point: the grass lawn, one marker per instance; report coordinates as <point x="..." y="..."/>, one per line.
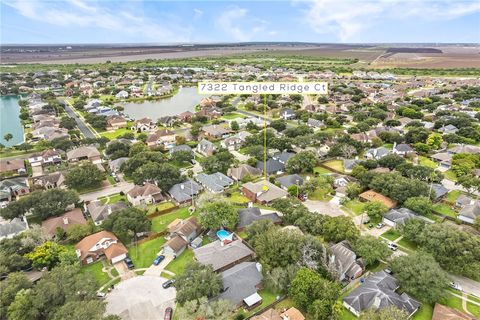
<point x="95" y="269"/>
<point x="116" y="133"/>
<point x="146" y="253"/>
<point x="320" y="194"/>
<point x="160" y="223"/>
<point x="391" y="234"/>
<point x="356" y="206"/>
<point x="424" y="313"/>
<point x="445" y="210"/>
<point x="474" y="309"/>
<point x="178" y="265"/>
<point x="426" y="162"/>
<point x="233" y="115"/>
<point x="114" y="198"/>
<point x="407" y="244"/>
<point x="450" y="175"/>
<point x="237" y="197"/>
<point x="453" y="195"/>
<point x="243" y="234"/>
<point x="321" y="170"/>
<point x="160" y="206"/>
<point x="110" y="179"/>
<point x="378" y="266"/>
<point x="268" y="297"/>
<point x="335" y="164"/>
<point x="452" y="302"/>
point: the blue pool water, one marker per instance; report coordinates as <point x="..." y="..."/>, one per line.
<point x="224" y="235"/>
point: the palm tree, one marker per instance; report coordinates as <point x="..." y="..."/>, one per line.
<point x="8" y="137"/>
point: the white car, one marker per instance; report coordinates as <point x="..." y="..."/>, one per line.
<point x="455" y="286"/>
<point x="380" y="225"/>
<point x="392" y="246"/>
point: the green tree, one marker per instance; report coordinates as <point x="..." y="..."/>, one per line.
<point x="258" y="228"/>
<point x="7" y="137"/>
<point x="137" y="148"/>
<point x="375" y="210"/>
<point x="353" y="190"/>
<point x="234" y="125"/>
<point x="80" y="310"/>
<point x="421" y="205"/>
<point x="313" y="293"/>
<point x="22" y="307"/>
<point x="435" y="140"/>
<point x="202" y="308"/>
<point x="218" y="214"/>
<point x="9" y="288"/>
<point x="197" y="281"/>
<point x="340" y="228"/>
<point x="117" y="149"/>
<point x="163" y="174"/>
<point x="279" y="279"/>
<point x="421" y="276"/>
<point x="68" y="123"/>
<point x="412" y="229"/>
<point x="387" y="313"/>
<point x="126" y="223"/>
<point x="303" y="161"/>
<point x="47" y="255"/>
<point x="220" y="162"/>
<point x="84" y="176"/>
<point x="371" y="249"/>
<point x="77" y="232"/>
<point x="182" y="156"/>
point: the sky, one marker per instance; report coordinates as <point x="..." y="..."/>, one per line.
<point x="165" y="22"/>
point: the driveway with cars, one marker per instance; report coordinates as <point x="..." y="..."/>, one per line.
<point x="140" y="298"/>
<point x="154" y="270"/>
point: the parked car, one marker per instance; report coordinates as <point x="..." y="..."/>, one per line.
<point x="302" y="197"/>
<point x="380" y="225"/>
<point x="101" y="295"/>
<point x="168" y="313"/>
<point x="370" y="226"/>
<point x="129" y="263"/>
<point x="455" y="286"/>
<point x="168" y="284"/>
<point x="392" y="246"/>
<point x="387" y="270"/>
<point x="158" y="259"/>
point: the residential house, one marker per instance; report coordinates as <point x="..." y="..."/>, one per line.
<point x="470" y="212"/>
<point x="180" y="148"/>
<point x="12" y="167"/>
<point x="167" y="121"/>
<point x="402" y="149"/>
<point x="210" y="112"/>
<point x="235" y="142"/>
<point x="398" y="217"/>
<point x="144" y="125"/>
<point x="444" y="159"/>
<point x="463" y="200"/>
<point x="371" y="195"/>
<point x="376" y="153"/>
<point x="464" y="148"/>
<point x="187" y="229"/>
<point x="186" y="116"/>
<point x="241" y="282"/>
<point x="263" y="192"/>
<point x="174" y="246"/>
<point x="103" y="243"/>
<point x="345" y="262"/>
<point x="283" y="156"/>
<point x="14" y="188"/>
<point x="163" y="136"/>
<point x="222" y="256"/>
<point x="9" y="229"/>
<point x="215" y="131"/>
<point x="441" y="312"/>
<point x="242" y="171"/>
<point x="290" y="180"/>
<point x="216" y="182"/>
<point x="439" y="191"/>
<point x="63" y="222"/>
<point x="116" y="164"/>
<point x="349" y="164"/>
<point x="45" y="158"/>
<point x="249" y="215"/>
<point x="315" y="124"/>
<point x="449" y="129"/>
<point x="49" y="181"/>
<point x="275" y="314"/>
<point x="272" y="166"/>
<point x="378" y="292"/>
<point x="99" y="211"/>
<point x="115" y="122"/>
<point x="206" y="148"/>
<point x="184" y="192"/>
<point x="89" y="153"/>
<point x="49" y="133"/>
<point x="146" y="194"/>
<point x="122" y="95"/>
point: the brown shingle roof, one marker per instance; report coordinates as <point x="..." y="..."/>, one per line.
<point x="65" y="221"/>
<point x="89" y="241"/>
<point x="176" y="243"/>
<point x="145" y="190"/>
<point x="442" y="312"/>
<point x="371" y="195"/>
<point x="11" y="165"/>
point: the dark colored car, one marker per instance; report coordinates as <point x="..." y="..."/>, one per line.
<point x="158" y="259"/>
<point x="129" y="263"/>
<point x="168" y="314"/>
<point x="168" y="284"/>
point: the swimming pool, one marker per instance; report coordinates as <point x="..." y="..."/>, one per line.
<point x="224" y="235"/>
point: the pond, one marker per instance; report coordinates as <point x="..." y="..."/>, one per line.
<point x="9" y="121"/>
<point x="185" y="100"/>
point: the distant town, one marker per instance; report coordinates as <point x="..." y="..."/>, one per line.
<point x="125" y="194"/>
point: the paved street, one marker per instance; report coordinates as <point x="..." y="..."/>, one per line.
<point x="81" y="125"/>
<point x="468" y="285"/>
<point x="121" y="186"/>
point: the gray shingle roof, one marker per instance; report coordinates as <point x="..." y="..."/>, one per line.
<point x="215" y="182"/>
<point x="400" y="216"/>
<point x="290" y="180"/>
<point x="240" y="282"/>
<point x="378" y="292"/>
<point x="12" y="228"/>
<point x="249" y="215"/>
<point x="273" y="166"/>
<point x="219" y="256"/>
<point x="183" y="191"/>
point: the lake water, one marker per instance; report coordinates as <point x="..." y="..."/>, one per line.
<point x="185" y="100"/>
<point x="9" y="120"/>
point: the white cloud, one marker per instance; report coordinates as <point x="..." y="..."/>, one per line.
<point x="347" y="19"/>
<point x="78" y="13"/>
<point x="197" y="14"/>
<point x="236" y="22"/>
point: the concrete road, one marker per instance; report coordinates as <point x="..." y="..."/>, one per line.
<point x="121" y="186"/>
<point x="140" y="298"/>
<point x="81" y="125"/>
<point x="468" y="285"/>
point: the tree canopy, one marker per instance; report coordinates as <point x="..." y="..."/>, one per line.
<point x="126" y="223"/>
<point x="218" y="214"/>
<point x="84" y="176"/>
<point x="196" y="282"/>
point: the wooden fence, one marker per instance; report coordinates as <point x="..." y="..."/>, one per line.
<point x="161" y="212"/>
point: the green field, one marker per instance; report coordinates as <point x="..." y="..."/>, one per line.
<point x="160" y="206"/>
<point x="160" y="223"/>
<point x="391" y="235"/>
<point x="453" y="195"/>
<point x="95" y="269"/>
<point x="407" y="244"/>
<point x="233" y="115"/>
<point x="321" y="170"/>
<point x="426" y="162"/>
<point x="424" y="313"/>
<point x="178" y="265"/>
<point x="116" y="133"/>
<point x="450" y="175"/>
<point x="114" y="198"/>
<point x="237" y="197"/>
<point x="146" y="252"/>
<point x="445" y="210"/>
<point x="474" y="309"/>
<point x="335" y="164"/>
<point x="355" y="205"/>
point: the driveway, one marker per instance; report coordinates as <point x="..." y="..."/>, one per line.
<point x="140" y="298"/>
<point x="123" y="270"/>
<point x="325" y="208"/>
<point x="37" y="171"/>
<point x="157" y="270"/>
<point x="121" y="186"/>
